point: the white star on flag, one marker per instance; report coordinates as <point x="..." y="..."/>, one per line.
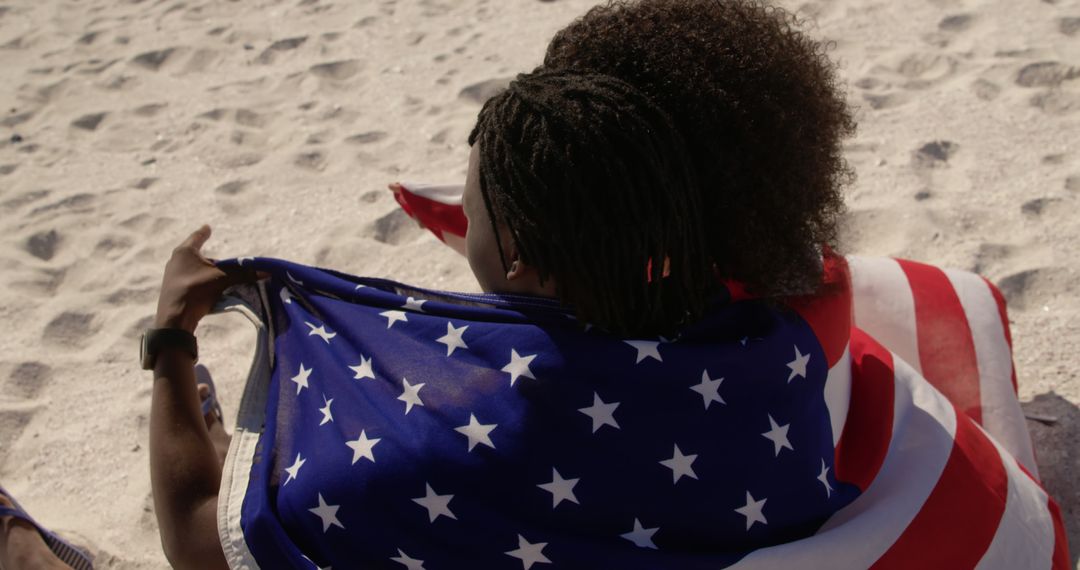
<point x="409" y="563"/>
<point x="393" y="317"/>
<point x="778" y="435"/>
<point x="641" y="536"/>
<point x="294" y="469"/>
<point x="286" y="296"/>
<point x="452" y="339"/>
<point x="362" y="447"/>
<point x="410" y="395"/>
<point x="414" y="304"/>
<point x="477" y="432"/>
<point x="560" y="489"/>
<point x="363" y="370"/>
<point x="327" y="417"/>
<point x="320" y="331"/>
<point x="645" y="349"/>
<point x="709" y="389"/>
<point x="824" y="478"/>
<point x="435" y="504"/>
<point x="519" y="366"/>
<point x="680" y="465"/>
<point x="752" y="511"/>
<point x="798" y="366"/>
<point x="301" y="378"/>
<point x="529" y="554"/>
<point x="601" y="413"/>
<point x="328" y="514"/>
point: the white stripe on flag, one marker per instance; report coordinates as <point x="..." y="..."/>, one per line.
<point x="924" y="424"/>
<point x="1025" y="535"/>
<point x="1001" y="413"/>
<point x="884" y="305"/>
<point x="838" y="393"/>
<point x="443" y="193"/>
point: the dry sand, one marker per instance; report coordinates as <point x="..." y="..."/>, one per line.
<point x="126" y="124"/>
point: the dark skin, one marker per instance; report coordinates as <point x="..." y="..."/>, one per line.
<point x="187" y="450"/>
<point x="185" y="447"/>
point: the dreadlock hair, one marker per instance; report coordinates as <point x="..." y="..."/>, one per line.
<point x="588" y="176"/>
<point x="761" y="110"/>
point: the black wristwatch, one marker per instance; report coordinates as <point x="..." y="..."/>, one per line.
<point x="154" y="340"/>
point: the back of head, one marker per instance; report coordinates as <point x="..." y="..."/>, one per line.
<point x="759" y="106"/>
<point x="590" y="179"/>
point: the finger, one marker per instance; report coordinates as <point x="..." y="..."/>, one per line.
<point x="197" y="238"/>
<point x="395" y="187"/>
<point x="236" y="275"/>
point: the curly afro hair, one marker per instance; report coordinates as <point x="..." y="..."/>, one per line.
<point x="762" y="112"/>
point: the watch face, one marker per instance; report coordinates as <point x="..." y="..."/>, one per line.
<point x="143" y="353"/>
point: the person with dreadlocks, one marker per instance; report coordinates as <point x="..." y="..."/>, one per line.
<point x="578" y="190"/>
<point x="763" y="114"/>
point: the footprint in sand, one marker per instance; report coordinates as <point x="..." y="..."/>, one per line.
<point x="369" y="137"/>
<point x="986" y="90"/>
<point x="26" y="198"/>
<point x="149" y="110"/>
<point x="271" y="53"/>
<point x="1056" y="102"/>
<point x="249" y="118"/>
<point x="113" y="246"/>
<point x="480" y="92"/>
<point x="16" y="119"/>
<point x="1045" y="74"/>
<point x="934" y="154"/>
<point x="232" y="188"/>
<point x="71" y="329"/>
<point x="43" y="244"/>
<point x="79" y="203"/>
<point x="956" y="23"/>
<point x="1038" y="206"/>
<point x="89" y="122"/>
<point x="27" y="380"/>
<point x="1034" y="288"/>
<point x="1069" y="26"/>
<point x="13" y="421"/>
<point x="336" y="70"/>
<point x="315" y="161"/>
<point x="154" y="60"/>
<point x="144" y="183"/>
<point x="394" y="228"/>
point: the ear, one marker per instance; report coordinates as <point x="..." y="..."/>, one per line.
<point x="517" y="268"/>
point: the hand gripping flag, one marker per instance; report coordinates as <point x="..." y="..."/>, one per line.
<point x="385" y="426"/>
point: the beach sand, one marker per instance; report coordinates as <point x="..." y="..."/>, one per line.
<point x="124" y="125"/>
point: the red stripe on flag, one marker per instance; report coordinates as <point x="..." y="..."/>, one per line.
<point x="946" y="350"/>
<point x="436" y="216"/>
<point x="830" y="312"/>
<point x="1060" y="561"/>
<point x="959" y="519"/>
<point x="868" y="429"/>
<point x="1004" y="314"/>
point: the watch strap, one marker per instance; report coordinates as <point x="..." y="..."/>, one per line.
<point x="156" y="340"/>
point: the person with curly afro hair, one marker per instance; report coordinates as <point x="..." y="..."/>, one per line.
<point x="762" y="111"/>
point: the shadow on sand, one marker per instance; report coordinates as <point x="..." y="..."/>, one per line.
<point x="1058" y="457"/>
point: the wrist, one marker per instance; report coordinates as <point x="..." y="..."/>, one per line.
<point x="175" y="321"/>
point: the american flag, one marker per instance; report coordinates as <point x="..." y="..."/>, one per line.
<point x="404" y="428"/>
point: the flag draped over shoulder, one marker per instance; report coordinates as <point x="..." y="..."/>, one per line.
<point x="386" y="426"/>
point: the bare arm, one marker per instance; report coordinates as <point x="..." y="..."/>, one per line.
<point x="185" y="471"/>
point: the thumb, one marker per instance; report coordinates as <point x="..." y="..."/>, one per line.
<point x="197" y="238"/>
